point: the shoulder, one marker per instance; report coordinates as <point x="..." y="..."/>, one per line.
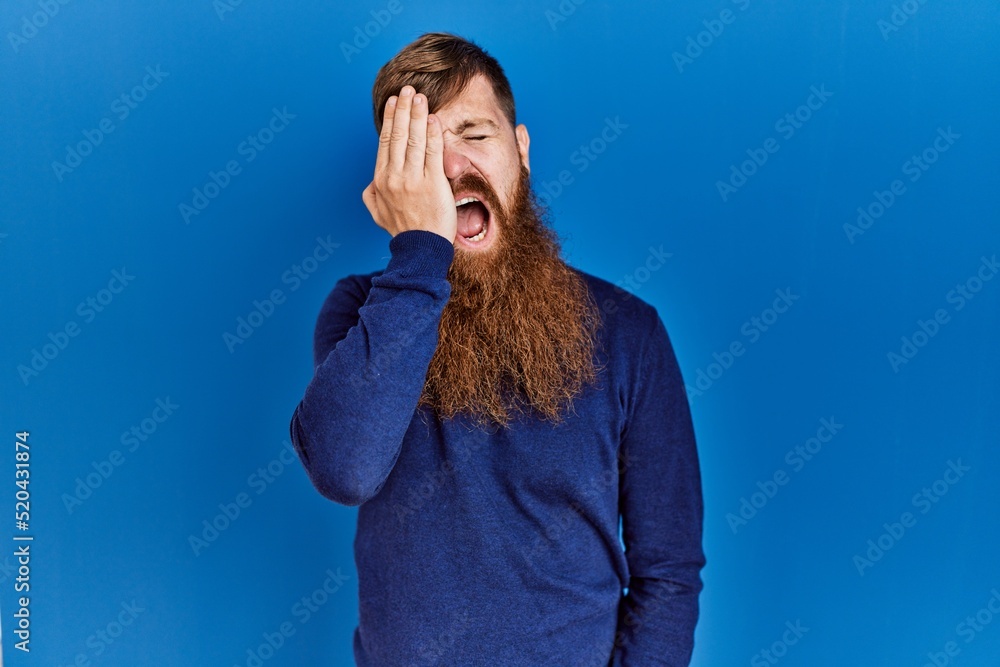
<point x="340" y="312"/>
<point x="350" y="292"/>
<point x="625" y="316"/>
<point x="636" y="349"/>
<point x="641" y="359"/>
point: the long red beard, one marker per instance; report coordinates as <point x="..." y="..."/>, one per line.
<point x="519" y="332"/>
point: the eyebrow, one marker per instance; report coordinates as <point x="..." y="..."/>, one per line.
<point x="475" y="122"/>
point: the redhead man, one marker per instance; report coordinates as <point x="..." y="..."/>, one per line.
<point x="504" y="422"/>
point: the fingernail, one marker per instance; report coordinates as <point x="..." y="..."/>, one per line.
<point x="392" y="101"/>
<point x="417" y="99"/>
<point x="406" y="91"/>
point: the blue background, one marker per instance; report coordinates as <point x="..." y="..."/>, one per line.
<point x="688" y="122"/>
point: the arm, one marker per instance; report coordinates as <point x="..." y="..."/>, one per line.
<point x="661" y="506"/>
<point x="349" y="427"/>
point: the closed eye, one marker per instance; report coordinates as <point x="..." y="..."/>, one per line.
<point x="476" y="138"/>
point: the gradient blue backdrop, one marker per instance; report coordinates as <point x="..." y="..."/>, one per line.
<point x="686" y="121"/>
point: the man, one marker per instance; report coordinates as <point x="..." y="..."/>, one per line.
<point x="494" y="412"/>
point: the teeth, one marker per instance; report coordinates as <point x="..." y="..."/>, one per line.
<point x="466" y="200"/>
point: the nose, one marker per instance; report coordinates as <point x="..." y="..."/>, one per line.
<point x="456" y="163"/>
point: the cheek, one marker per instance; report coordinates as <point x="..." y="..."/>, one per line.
<point x="511" y="179"/>
<point x="500" y="170"/>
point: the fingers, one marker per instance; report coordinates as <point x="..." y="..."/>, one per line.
<point x="382" y="159"/>
<point x="409" y="167"/>
<point x="434" y="154"/>
<point x="400" y="130"/>
<point x="417" y="141"/>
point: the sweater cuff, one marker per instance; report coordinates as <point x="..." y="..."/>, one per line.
<point x="418" y="252"/>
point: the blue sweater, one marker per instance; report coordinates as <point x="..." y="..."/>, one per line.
<point x="501" y="547"/>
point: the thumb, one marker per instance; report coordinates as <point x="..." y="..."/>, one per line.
<point x="368" y="197"/>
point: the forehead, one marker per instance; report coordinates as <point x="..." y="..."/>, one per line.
<point x="476" y="102"/>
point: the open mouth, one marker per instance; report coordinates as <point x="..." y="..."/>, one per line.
<point x="473" y="220"/>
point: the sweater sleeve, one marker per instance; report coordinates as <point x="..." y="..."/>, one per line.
<point x="371" y="363"/>
<point x="661" y="507"/>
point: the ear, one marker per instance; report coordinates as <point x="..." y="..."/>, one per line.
<point x="521" y="132"/>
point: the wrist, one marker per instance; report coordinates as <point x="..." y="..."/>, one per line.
<point x="420" y="252"/>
